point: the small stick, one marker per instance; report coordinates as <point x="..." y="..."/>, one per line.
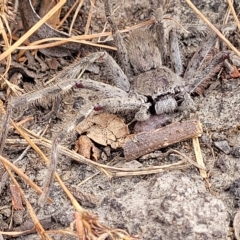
<point x="146" y="142"/>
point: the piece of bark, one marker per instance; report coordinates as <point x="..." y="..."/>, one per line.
<point x="46" y="6"/>
<point x="146" y="142"/>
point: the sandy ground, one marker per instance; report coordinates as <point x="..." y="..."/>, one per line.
<point x="169" y="205"/>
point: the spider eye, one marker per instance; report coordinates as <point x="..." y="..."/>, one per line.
<point x="79" y="85"/>
<point x="98" y="107"/>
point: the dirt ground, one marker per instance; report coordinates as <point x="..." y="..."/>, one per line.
<point x="173" y="205"/>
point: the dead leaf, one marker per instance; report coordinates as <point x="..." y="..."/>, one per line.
<point x="86" y="148"/>
<point x="105" y="129"/>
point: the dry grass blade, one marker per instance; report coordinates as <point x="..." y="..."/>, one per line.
<point x="6" y="42"/>
<point x="75" y="16"/>
<point x="67" y="14"/>
<point x="60" y="41"/>
<point x="80" y="39"/>
<point x="220" y="35"/>
<point x="32" y="30"/>
<point x="234" y="13"/>
<point x="199" y="157"/>
<point x="4" y="21"/>
<point x="90" y="16"/>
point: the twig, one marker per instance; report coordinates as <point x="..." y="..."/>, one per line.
<point x="67" y="14"/>
<point x="110" y="169"/>
<point x="146" y="142"/>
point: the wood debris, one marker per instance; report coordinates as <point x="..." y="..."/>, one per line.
<point x="146" y="142"/>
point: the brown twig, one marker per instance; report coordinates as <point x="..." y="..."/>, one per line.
<point x="146" y="142"/>
<point x="111" y="170"/>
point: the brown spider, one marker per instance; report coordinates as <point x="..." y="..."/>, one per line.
<point x="141" y="63"/>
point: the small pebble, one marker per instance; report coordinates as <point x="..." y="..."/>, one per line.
<point x="234" y="189"/>
<point x="223" y="146"/>
<point x="236" y="152"/>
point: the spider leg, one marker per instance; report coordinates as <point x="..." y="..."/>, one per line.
<point x="112" y="70"/>
<point x="136" y="105"/>
<point x="161" y="40"/>
<point x="47" y="185"/>
<point x="199" y="57"/>
<point x="56" y="90"/>
<point x="164" y="34"/>
<point x="122" y="50"/>
<point x="175" y="53"/>
<point x="201" y="80"/>
<point x="109" y="104"/>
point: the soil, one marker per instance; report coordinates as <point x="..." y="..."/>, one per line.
<point x="173" y="205"/>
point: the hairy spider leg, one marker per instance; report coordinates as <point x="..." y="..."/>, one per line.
<point x="122" y="50"/>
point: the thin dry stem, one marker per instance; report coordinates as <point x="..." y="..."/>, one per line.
<point x="67" y="14"/>
<point x="7" y="44"/>
<point x="82" y="37"/>
<point x="75" y="16"/>
<point x="110" y="169"/>
<point x="234" y="13"/>
<point x="198" y="154"/>
<point x="227" y="14"/>
<point x="89" y="17"/>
